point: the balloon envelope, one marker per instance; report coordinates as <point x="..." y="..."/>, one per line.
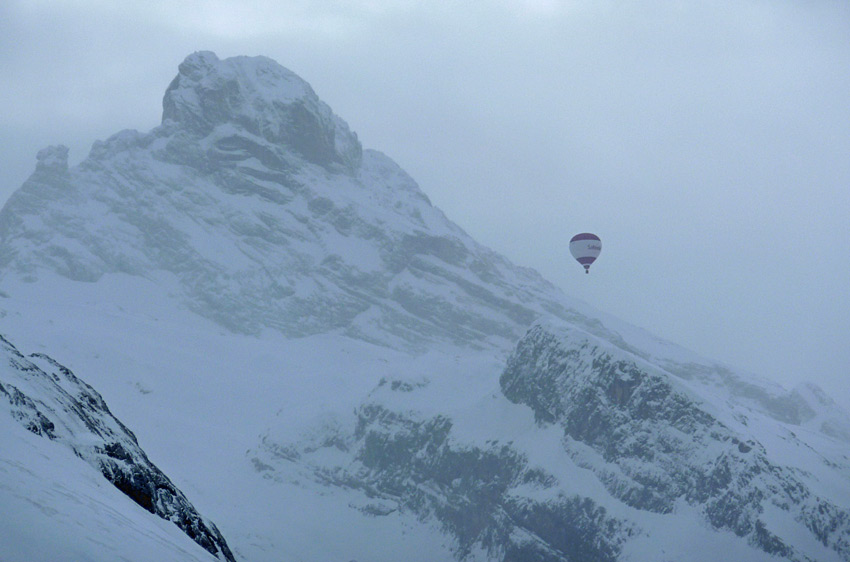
<point x="585" y="248"/>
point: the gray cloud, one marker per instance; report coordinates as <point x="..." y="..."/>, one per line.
<point x="707" y="143"/>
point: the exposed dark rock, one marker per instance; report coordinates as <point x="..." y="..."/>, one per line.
<point x="658" y="443"/>
<point x="413" y="465"/>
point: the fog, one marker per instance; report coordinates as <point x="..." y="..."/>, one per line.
<point x="707" y="144"/>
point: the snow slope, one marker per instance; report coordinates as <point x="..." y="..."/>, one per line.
<point x="318" y="357"/>
<point x="50" y="403"/>
<point x="53" y="506"/>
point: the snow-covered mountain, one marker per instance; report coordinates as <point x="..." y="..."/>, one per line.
<point x="263" y="206"/>
<point x="332" y="369"/>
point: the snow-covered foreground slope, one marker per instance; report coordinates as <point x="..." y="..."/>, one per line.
<point x="53" y="506"/>
<point x="52" y="405"/>
<point x="332" y="370"/>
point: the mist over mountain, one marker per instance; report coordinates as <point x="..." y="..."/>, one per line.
<point x="332" y="369"/>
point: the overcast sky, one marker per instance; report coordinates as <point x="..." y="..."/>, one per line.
<point x="706" y="143"/>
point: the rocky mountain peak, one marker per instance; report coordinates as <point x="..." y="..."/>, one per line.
<point x="262" y="98"/>
<point x="52" y="160"/>
<point x="261" y="204"/>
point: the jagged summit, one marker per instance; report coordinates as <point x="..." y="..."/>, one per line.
<point x="52" y="160"/>
<point x="263" y="98"/>
<point x="264" y="207"/>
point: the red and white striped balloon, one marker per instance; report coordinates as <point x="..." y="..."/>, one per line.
<point x="585" y="248"/>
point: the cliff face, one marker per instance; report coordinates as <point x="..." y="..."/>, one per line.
<point x="492" y="501"/>
<point x="655" y="441"/>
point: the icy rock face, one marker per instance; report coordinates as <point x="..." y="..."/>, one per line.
<point x="479" y="495"/>
<point x="653" y="442"/>
<point x="263" y="206"/>
<point x="617" y="453"/>
<point x="486" y="498"/>
<point x="49" y="400"/>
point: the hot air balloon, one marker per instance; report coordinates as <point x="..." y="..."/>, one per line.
<point x="585" y="248"/>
